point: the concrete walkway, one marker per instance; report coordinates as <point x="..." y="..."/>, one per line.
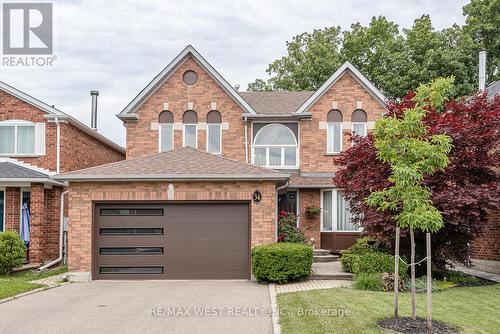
<point x="478" y="273"/>
<point x="329" y="270"/>
<point x="142" y="307"/>
<point x="311" y="285"/>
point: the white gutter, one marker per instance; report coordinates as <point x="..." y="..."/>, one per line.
<point x="246" y="140"/>
<point x="170" y="177"/>
<point x="58" y="146"/>
<point x="277" y="213"/>
<point x="61" y="233"/>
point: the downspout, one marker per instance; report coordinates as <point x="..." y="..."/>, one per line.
<point x="277" y="213"/>
<point x="58" y="146"/>
<point x="61" y="233"/>
<point x="246" y="140"/>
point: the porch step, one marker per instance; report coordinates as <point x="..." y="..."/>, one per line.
<point x="325" y="258"/>
<point x="321" y="252"/>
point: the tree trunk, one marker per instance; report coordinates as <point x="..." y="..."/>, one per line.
<point x="396" y="274"/>
<point x="413" y="287"/>
<point x="429" y="282"/>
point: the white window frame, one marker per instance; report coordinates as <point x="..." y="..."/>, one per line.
<point x="16" y="124"/>
<point x="159" y="136"/>
<point x="220" y="137"/>
<point x="328" y="135"/>
<point x="334" y="213"/>
<point x="364" y="128"/>
<point x="184" y="134"/>
<point x="282" y="162"/>
<point x="3" y="189"/>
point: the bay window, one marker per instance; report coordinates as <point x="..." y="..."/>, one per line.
<point x="334" y="131"/>
<point x="335" y="213"/>
<point x="275" y="146"/>
<point x="214" y="132"/>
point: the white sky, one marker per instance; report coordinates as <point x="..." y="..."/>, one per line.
<point x="118" y="46"/>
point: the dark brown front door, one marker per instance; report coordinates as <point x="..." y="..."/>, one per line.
<point x="171" y="241"/>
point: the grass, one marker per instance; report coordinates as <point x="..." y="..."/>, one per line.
<point x="470" y="309"/>
<point x="11" y="285"/>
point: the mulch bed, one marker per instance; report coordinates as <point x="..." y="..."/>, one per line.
<point x="418" y="326"/>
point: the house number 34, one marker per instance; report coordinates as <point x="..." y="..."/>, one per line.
<point x="257" y="196"/>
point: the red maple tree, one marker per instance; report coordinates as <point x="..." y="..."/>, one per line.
<point x="464" y="192"/>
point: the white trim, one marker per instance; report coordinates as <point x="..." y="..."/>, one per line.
<point x="220" y="137"/>
<point x="282" y="146"/>
<point x="159" y="136"/>
<point x="3" y="189"/>
<point x="347" y="66"/>
<point x="184" y="134"/>
<point x="334" y="213"/>
<point x="147" y="91"/>
<point x="352" y="130"/>
<point x="16" y="124"/>
<point x="328" y="137"/>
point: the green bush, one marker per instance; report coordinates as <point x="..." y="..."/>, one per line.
<point x="363" y="245"/>
<point x="372" y="282"/>
<point x="12" y="251"/>
<point x="347" y="261"/>
<point x="288" y="230"/>
<point x="377" y="263"/>
<point x="281" y="262"/>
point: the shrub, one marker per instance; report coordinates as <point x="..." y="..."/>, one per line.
<point x="372" y="282"/>
<point x="377" y="263"/>
<point x="388" y="279"/>
<point x="12" y="251"/>
<point x="347" y="261"/>
<point x="362" y="246"/>
<point x="281" y="262"/>
<point x="287" y="228"/>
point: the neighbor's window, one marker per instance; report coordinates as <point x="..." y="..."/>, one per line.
<point x="335" y="212"/>
<point x="359" y="120"/>
<point x="190" y="129"/>
<point x="166" y="131"/>
<point x="334" y="132"/>
<point x="275" y="146"/>
<point x="214" y="132"/>
<point x="17" y="137"/>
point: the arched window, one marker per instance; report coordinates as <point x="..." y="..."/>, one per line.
<point x="359" y="119"/>
<point x="275" y="146"/>
<point x="190" y="129"/>
<point x="214" y="132"/>
<point x="166" y="131"/>
<point x="334" y="131"/>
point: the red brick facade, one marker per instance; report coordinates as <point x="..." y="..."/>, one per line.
<point x="487" y="245"/>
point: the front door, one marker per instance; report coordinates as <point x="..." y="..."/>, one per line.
<point x="288" y="202"/>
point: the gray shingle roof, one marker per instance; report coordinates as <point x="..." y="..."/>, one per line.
<point x="182" y="163"/>
<point x="493" y="88"/>
<point x="275" y="103"/>
<point x="9" y="170"/>
<point x="311" y="180"/>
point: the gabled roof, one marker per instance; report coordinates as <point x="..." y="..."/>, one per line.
<point x="53" y="113"/>
<point x="129" y="112"/>
<point x="184" y="163"/>
<point x="346" y="67"/>
<point x="276" y="103"/>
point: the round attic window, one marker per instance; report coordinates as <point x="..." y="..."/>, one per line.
<point x="190" y="77"/>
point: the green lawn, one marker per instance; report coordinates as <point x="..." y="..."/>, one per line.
<point x="471" y="309"/>
<point x="21" y="282"/>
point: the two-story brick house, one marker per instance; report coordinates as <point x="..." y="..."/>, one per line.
<point x="38" y="141"/>
<point x="208" y="168"/>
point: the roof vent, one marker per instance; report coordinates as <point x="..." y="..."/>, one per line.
<point x="93" y="115"/>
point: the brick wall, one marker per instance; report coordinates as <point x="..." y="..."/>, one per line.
<point x="142" y="140"/>
<point x="12" y="208"/>
<point x="81" y="196"/>
<point x="487" y="245"/>
<point x="346" y="92"/>
<point x="310" y="226"/>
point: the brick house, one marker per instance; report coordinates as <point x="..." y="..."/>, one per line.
<point x="38" y="141"/>
<point x="208" y="168"/>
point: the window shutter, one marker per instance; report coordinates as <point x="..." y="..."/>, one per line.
<point x="40" y="138"/>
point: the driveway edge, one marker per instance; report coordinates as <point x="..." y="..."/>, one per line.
<point x="274" y="309"/>
<point x="27" y="293"/>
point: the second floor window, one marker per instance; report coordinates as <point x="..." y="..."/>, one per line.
<point x="334" y="131"/>
<point x="275" y="146"/>
<point x="214" y="132"/>
<point x="190" y="129"/>
<point x="359" y="119"/>
<point x="166" y="131"/>
<point x="17" y="138"/>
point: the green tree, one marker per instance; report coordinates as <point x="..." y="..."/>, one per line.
<point x="404" y="144"/>
<point x="483" y="25"/>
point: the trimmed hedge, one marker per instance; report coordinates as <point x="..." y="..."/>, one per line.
<point x="12" y="251"/>
<point x="377" y="263"/>
<point x="362" y="246"/>
<point x="281" y="262"/>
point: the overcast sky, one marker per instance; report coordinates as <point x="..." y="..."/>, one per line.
<point x="118" y="46"/>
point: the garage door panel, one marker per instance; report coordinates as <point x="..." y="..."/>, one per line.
<point x="198" y="241"/>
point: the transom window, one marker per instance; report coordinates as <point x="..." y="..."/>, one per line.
<point x="190" y="129"/>
<point x="275" y="146"/>
<point x="166" y="131"/>
<point x="334" y="131"/>
<point x="335" y="213"/>
<point x="17" y="137"/>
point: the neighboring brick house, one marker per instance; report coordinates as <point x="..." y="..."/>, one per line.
<point x="216" y="206"/>
<point x="38" y="141"/>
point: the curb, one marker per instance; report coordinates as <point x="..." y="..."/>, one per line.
<point x="27" y="293"/>
<point x="274" y="309"/>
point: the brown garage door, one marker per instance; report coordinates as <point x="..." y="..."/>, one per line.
<point x="171" y="241"/>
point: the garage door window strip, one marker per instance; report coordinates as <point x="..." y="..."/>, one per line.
<point x="131" y="212"/>
<point x="131" y="270"/>
<point x="131" y="231"/>
<point x="130" y="250"/>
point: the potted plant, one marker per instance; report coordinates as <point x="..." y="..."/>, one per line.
<point x="312" y="211"/>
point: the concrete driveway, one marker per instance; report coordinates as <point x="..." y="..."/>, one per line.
<point x="142" y="307"/>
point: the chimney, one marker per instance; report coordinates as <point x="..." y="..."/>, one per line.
<point x="482" y="70"/>
<point x="93" y="115"/>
